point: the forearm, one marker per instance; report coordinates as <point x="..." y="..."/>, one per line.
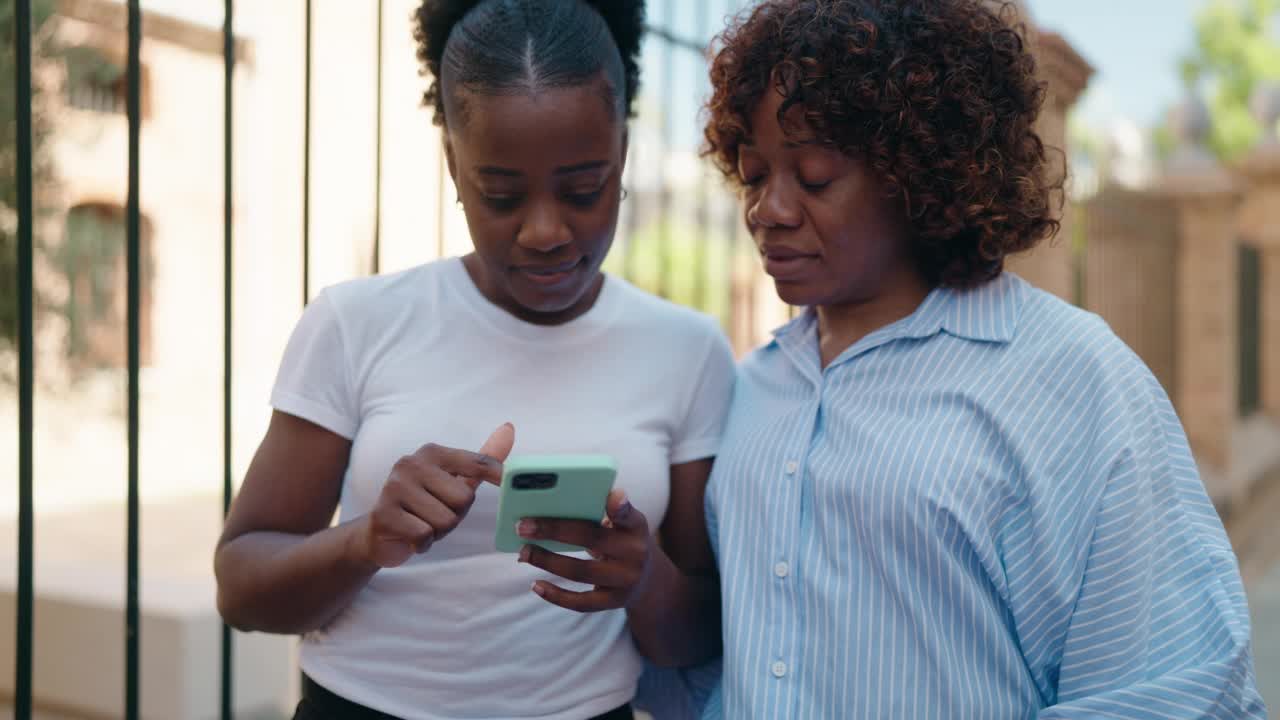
<point x="289" y="584"/>
<point x="676" y="620"/>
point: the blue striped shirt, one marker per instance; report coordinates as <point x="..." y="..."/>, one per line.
<point x="985" y="510"/>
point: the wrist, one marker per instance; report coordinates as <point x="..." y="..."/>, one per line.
<point x="658" y="578"/>
<point x="357" y="546"/>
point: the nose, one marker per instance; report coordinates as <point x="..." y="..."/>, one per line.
<point x="774" y="206"/>
<point x="543" y="229"/>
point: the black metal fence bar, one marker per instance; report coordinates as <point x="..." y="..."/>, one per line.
<point x="26" y="361"/>
<point x="228" y="64"/>
<point x="306" y="166"/>
<point x="1249" y="396"/>
<point x="133" y="228"/>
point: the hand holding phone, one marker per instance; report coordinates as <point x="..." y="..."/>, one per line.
<point x="622" y="551"/>
<point x="552" y="486"/>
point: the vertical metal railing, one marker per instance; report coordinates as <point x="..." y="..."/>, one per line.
<point x="1249" y="395"/>
<point x="228" y="66"/>
<point x="26" y="361"/>
<point x="133" y="221"/>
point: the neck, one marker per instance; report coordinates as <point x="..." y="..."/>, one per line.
<point x="840" y="325"/>
<point x="480" y="279"/>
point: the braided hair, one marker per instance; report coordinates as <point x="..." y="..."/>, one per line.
<point x="507" y="46"/>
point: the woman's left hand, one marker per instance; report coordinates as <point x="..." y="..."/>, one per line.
<point x="620" y="546"/>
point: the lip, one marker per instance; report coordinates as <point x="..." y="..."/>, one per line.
<point x="783" y="263"/>
<point x="549" y="275"/>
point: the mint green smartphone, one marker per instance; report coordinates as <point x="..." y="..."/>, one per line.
<point x="551" y="486"/>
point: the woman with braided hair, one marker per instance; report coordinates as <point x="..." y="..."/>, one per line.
<point x="404" y="608"/>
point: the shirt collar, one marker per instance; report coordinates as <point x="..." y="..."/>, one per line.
<point x="987" y="313"/>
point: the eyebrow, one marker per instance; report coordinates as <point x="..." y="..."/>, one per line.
<point x="501" y="172"/>
<point x="562" y="170"/>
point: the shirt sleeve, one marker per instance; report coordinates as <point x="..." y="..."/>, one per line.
<point x="714" y="707"/>
<point x="314" y="381"/>
<point x="677" y="693"/>
<point x="1160" y="628"/>
<point x="697" y="434"/>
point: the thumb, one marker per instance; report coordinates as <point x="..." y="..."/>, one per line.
<point x="500" y="442"/>
<point x="620" y="511"/>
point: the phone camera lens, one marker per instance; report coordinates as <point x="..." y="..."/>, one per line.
<point x="534" y="481"/>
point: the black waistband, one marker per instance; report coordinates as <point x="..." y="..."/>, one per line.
<point x="329" y="706"/>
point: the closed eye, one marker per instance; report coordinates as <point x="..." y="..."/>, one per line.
<point x="503" y="203"/>
<point x="585" y="199"/>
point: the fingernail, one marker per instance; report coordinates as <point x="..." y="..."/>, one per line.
<point x="537" y="590"/>
<point x="526" y="528"/>
<point x="524" y="554"/>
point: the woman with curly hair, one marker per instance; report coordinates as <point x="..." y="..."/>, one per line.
<point x="404" y="607"/>
<point x="942" y="493"/>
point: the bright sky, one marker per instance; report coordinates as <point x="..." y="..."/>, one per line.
<point x="1134" y="45"/>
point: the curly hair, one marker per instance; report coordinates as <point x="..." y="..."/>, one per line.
<point x="939" y="97"/>
<point x="503" y="45"/>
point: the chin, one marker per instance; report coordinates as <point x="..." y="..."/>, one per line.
<point x="796" y="294"/>
<point x="550" y="301"/>
<point x="546" y="303"/>
<point x="547" y="306"/>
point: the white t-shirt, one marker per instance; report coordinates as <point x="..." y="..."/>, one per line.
<point x="397" y="361"/>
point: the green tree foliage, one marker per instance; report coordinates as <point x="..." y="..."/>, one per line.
<point x="1237" y="47"/>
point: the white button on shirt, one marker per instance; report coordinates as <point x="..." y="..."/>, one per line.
<point x="779" y="669"/>
<point x="782" y="569"/>
<point x="792" y="466"/>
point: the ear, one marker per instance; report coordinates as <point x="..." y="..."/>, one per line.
<point x="447" y="141"/>
<point x="626" y="146"/>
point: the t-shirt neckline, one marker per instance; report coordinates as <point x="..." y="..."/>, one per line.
<point x="598" y="317"/>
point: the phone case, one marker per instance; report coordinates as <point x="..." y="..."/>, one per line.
<point x="581" y="489"/>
